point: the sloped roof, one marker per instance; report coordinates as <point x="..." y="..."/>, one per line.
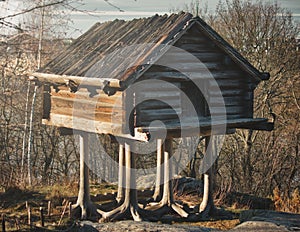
<point x="104" y="50"/>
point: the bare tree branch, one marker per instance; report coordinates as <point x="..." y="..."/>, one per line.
<point x="31" y="9"/>
<point x="114" y="6"/>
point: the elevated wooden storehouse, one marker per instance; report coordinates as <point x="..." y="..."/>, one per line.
<point x="170" y="76"/>
<point x="90" y="80"/>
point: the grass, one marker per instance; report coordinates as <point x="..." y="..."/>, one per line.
<point x="13" y="205"/>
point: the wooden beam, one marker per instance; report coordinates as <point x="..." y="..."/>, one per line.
<point x="205" y="128"/>
<point x="84" y="81"/>
<point x="81" y="124"/>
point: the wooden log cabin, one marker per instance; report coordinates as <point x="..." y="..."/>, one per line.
<point x="87" y="86"/>
<point x="152" y="78"/>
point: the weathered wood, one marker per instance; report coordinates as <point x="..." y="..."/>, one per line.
<point x="78" y="80"/>
<point x="97" y="127"/>
<point x="157" y="104"/>
<point x="121" y="176"/>
<point x="42" y="218"/>
<point x="191" y="129"/>
<point x="83" y="104"/>
<point x="49" y="208"/>
<point x="29" y="216"/>
<point x="85" y="94"/>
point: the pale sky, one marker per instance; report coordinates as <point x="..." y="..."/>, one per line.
<point x="132" y="9"/>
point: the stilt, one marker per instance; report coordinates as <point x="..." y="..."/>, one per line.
<point x="159" y="175"/>
<point x="84" y="203"/>
<point x="121" y="181"/>
<point x="167" y="202"/>
<point x="130" y="205"/>
<point x="207" y="204"/>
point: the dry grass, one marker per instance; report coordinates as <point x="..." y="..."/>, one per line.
<point x="285" y="203"/>
<point x="12" y="204"/>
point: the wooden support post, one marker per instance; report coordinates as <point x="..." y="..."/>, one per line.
<point x="70" y="210"/>
<point x="63" y="213"/>
<point x="88" y="209"/>
<point x="167" y="202"/>
<point x="3" y="222"/>
<point x="130" y="204"/>
<point x="159" y="175"/>
<point x="42" y="216"/>
<point x="120" y="195"/>
<point x="207" y="204"/>
<point x="29" y="215"/>
<point x="49" y="208"/>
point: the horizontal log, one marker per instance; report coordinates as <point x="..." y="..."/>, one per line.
<point x="158" y="86"/>
<point x="84" y="81"/>
<point x="97" y="115"/>
<point x="231" y="93"/>
<point x="84" y="104"/>
<point x="91" y="126"/>
<point x="85" y="95"/>
<point x="228" y="101"/>
<point x="228" y="110"/>
<point x="158" y="112"/>
<point x="181" y="57"/>
<point x="172" y="75"/>
<point x="147" y="105"/>
<point x="206" y="126"/>
<point x="191" y="67"/>
<point x="198" y="47"/>
<point x="159" y="95"/>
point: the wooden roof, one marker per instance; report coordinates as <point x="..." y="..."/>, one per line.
<point x="100" y="53"/>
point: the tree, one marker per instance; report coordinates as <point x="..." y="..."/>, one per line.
<point x="251" y="161"/>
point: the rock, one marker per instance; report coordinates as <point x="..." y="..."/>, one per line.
<point x="87" y="226"/>
<point x="146" y="181"/>
<point x="247" y="200"/>
<point x="257" y="226"/>
<point x="289" y="220"/>
<point x="187" y="185"/>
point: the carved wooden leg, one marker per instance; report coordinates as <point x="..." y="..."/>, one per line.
<point x="130" y="204"/>
<point x="167" y="202"/>
<point x="120" y="195"/>
<point x="158" y="191"/>
<point x="84" y="203"/>
<point x="207" y="204"/>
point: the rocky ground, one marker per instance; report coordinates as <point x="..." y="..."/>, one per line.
<point x="251" y="220"/>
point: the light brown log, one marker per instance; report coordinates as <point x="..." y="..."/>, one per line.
<point x="85" y="81"/>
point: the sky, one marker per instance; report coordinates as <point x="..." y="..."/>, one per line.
<point x="100" y="11"/>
